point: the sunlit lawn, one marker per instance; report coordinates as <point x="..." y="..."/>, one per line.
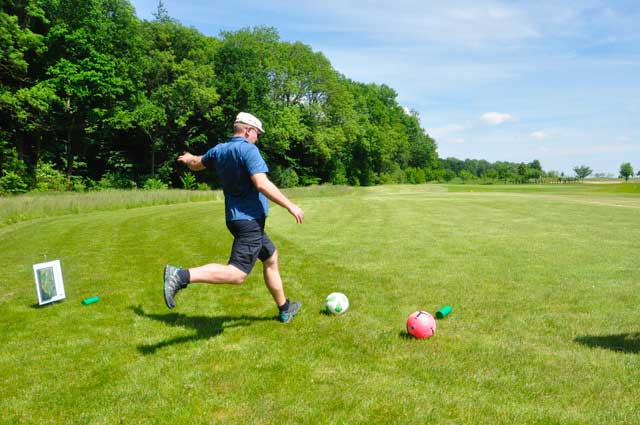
<point x="544" y="285"/>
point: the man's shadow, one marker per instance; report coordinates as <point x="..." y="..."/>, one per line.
<point x="205" y="327"/>
<point x="626" y="342"/>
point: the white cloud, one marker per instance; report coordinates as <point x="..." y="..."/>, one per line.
<point x="455" y="141"/>
<point x="464" y="23"/>
<point x="496" y="118"/>
<point x="446" y="130"/>
<point x="539" y="135"/>
<point x="447" y="134"/>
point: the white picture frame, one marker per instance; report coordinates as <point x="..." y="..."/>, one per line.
<point x="49" y="284"/>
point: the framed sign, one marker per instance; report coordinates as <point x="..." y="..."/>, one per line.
<point x="49" y="283"/>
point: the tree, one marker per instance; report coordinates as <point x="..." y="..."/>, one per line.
<point x="23" y="101"/>
<point x="90" y="46"/>
<point x="626" y="170"/>
<point x="534" y="170"/>
<point x="582" y="171"/>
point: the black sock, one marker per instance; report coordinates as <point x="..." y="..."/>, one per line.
<point x="285" y="306"/>
<point x="184" y="276"/>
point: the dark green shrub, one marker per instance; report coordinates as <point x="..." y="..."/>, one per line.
<point x="188" y="181"/>
<point x="154" y="184"/>
<point x="115" y="181"/>
<point x="49" y="179"/>
<point x="12" y="183"/>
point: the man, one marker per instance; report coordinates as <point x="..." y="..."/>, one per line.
<point x="246" y="187"/>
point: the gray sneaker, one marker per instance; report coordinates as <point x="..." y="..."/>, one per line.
<point x="172" y="284"/>
<point x="287" y="315"/>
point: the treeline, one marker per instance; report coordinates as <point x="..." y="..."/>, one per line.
<point x="92" y="96"/>
<point x="484" y="171"/>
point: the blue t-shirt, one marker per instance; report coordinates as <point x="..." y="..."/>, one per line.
<point x="236" y="161"/>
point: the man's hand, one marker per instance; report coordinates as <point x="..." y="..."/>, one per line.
<point x="297" y="212"/>
<point x="192" y="161"/>
<point x="184" y="158"/>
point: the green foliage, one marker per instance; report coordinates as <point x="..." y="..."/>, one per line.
<point x="188" y="181"/>
<point x="414" y="176"/>
<point x="626" y="171"/>
<point x="12" y="183"/>
<point x="18" y="41"/>
<point x="12" y="163"/>
<point x="284" y="178"/>
<point x="154" y="184"/>
<point x="471" y="170"/>
<point x="77" y="183"/>
<point x="309" y="180"/>
<point x="395" y="175"/>
<point x="582" y="171"/>
<point x="49" y="179"/>
<point x="115" y="180"/>
<point x="467" y="176"/>
<point x="338" y="173"/>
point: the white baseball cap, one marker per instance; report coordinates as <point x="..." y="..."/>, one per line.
<point x="246" y="118"/>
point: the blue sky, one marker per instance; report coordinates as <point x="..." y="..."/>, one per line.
<point x="502" y="81"/>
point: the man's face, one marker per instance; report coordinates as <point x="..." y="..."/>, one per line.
<point x="251" y="134"/>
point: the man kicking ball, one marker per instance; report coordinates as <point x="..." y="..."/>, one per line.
<point x="246" y="187"/>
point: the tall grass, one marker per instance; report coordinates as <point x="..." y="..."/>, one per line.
<point x="14" y="209"/>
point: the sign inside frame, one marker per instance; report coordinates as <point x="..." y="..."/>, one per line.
<point x="49" y="283"/>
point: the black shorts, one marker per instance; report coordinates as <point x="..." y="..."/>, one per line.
<point x="250" y="243"/>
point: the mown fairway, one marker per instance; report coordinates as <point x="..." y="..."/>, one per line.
<point x="544" y="283"/>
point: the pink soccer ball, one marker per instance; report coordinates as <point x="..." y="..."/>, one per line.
<point x="421" y="324"/>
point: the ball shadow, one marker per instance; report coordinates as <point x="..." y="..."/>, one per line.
<point x="406" y="335"/>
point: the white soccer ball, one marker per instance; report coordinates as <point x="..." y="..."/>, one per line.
<point x="337" y="303"/>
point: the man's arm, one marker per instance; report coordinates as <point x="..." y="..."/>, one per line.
<point x="192" y="161"/>
<point x="271" y="191"/>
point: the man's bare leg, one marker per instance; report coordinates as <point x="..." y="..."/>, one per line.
<point x="217" y="273"/>
<point x="272" y="279"/>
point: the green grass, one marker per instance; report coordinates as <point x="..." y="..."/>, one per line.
<point x="602" y="187"/>
<point x="38" y="205"/>
<point x="545" y="329"/>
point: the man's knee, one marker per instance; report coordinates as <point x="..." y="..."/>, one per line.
<point x="271" y="261"/>
<point x="236" y="276"/>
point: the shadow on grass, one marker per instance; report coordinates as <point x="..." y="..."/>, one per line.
<point x="49" y="304"/>
<point x="626" y="343"/>
<point x="406" y="335"/>
<point x="205" y="327"/>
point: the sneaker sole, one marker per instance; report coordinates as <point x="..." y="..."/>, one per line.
<point x="164" y="286"/>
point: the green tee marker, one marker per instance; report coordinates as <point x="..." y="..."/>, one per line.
<point x="443" y="312"/>
<point x="91" y="300"/>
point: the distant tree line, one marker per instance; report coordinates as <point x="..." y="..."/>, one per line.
<point x="93" y="97"/>
<point x="626" y="171"/>
<point x="482" y="171"/>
